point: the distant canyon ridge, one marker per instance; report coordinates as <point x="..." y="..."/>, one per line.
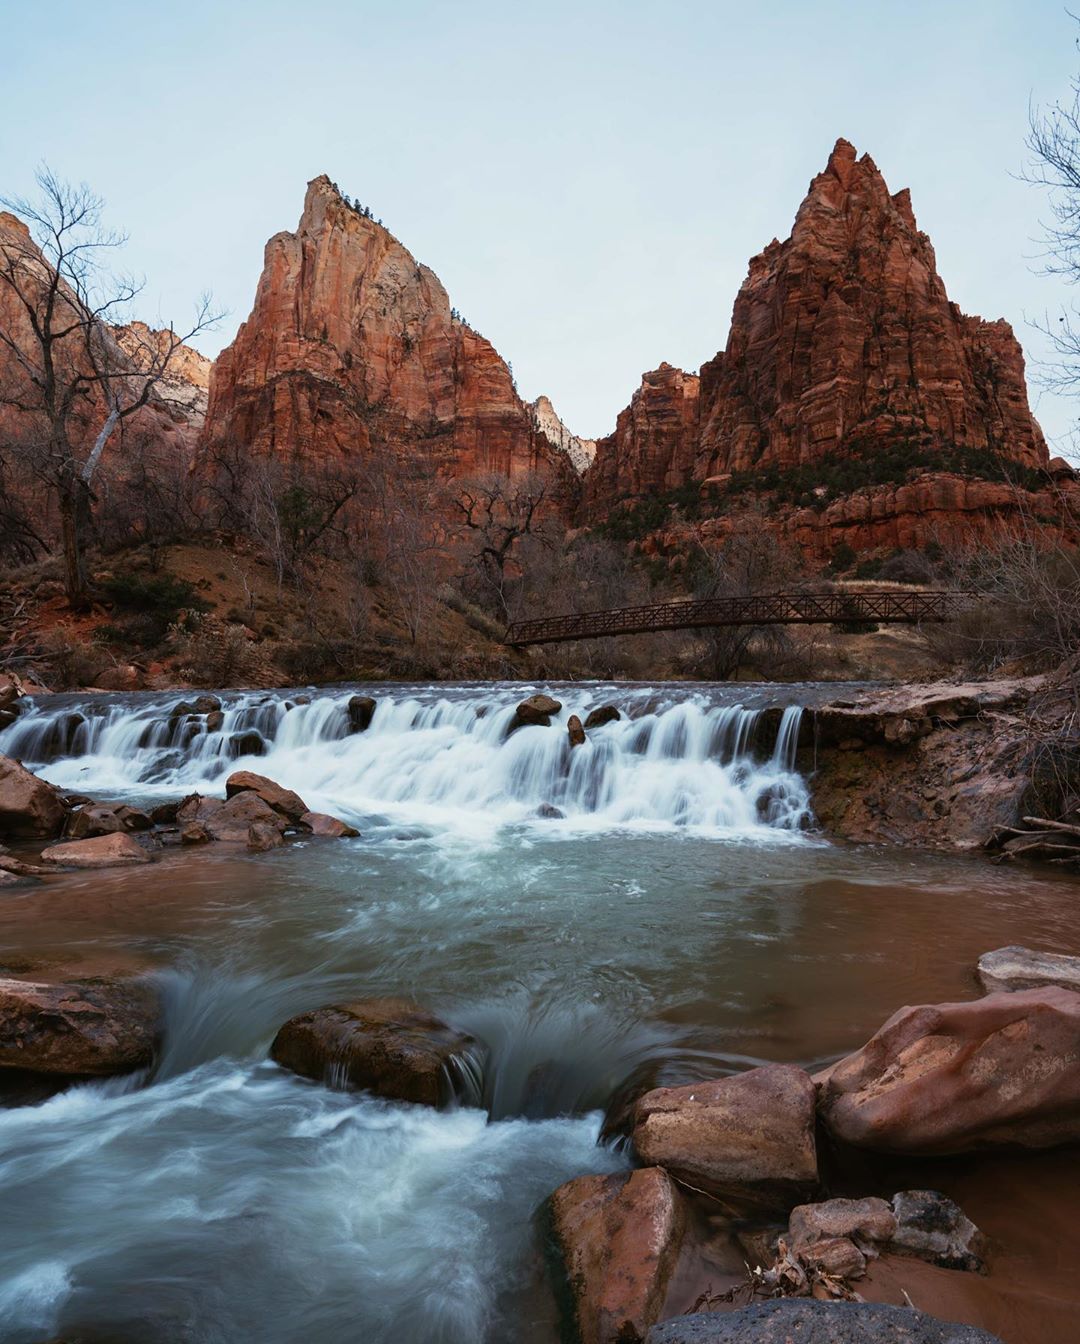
<point x="854" y="405"/>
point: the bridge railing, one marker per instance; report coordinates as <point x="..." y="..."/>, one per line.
<point x="884" y="606"/>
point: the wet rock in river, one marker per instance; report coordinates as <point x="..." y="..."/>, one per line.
<point x="549" y="812"/>
<point x="30" y="809"/>
<point x="958" y="1077"/>
<point x="386" y="1046"/>
<point x="206" y="704"/>
<point x="618" y="1238"/>
<point x="91" y="1028"/>
<point x="596" y="718"/>
<point x="575" y="731"/>
<point x="860" y="1220"/>
<point x="261" y="837"/>
<point x="1014" y="968"/>
<point x="748" y="1140"/>
<point x="214" y="721"/>
<point x="164" y="814"/>
<point x="323" y="825"/>
<point x="102" y="851"/>
<point x="812" y="1322"/>
<point x="931" y="1226"/>
<point x="230" y="820"/>
<point x="102" y="819"/>
<point x="536" y="711"/>
<point x="195" y="833"/>
<point x="282" y="800"/>
<point x="360" y="711"/>
<point x="249" y="743"/>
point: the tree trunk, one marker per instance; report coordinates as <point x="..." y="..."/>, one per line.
<point x="74" y="517"/>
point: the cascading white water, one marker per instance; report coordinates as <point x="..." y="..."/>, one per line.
<point x="443" y="759"/>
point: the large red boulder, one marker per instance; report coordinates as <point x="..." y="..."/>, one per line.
<point x="282" y="800"/>
<point x="953" y="1077"/>
<point x="84" y="1029"/>
<point x="618" y="1238"/>
<point x="30" y="809"/>
<point x="747" y="1140"/>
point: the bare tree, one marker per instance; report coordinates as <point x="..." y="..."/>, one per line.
<point x="1054" y="145"/>
<point x="495" y="513"/>
<point x="70" y="383"/>
<point x="748" y="560"/>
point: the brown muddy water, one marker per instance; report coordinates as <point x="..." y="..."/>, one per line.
<point x="677" y="922"/>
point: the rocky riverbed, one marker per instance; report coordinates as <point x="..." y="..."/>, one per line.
<point x="580" y="1021"/>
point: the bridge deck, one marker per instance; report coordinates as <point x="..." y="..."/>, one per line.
<point x="880" y="606"/>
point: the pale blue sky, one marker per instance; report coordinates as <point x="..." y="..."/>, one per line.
<point x="588" y="179"/>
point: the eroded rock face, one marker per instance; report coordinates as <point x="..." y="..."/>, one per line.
<point x="816" y="1323"/>
<point x="91" y="1028"/>
<point x="957" y="1077"/>
<point x="748" y="1140"/>
<point x="619" y="1238"/>
<point x="843" y="344"/>
<point x="351" y="350"/>
<point x="117" y="850"/>
<point x="30" y="809"/>
<point x="386" y="1046"/>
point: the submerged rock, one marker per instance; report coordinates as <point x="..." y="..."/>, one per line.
<point x="102" y="851"/>
<point x="282" y="800"/>
<point x="549" y="812"/>
<point x="811" y="1322"/>
<point x="957" y="1077"/>
<point x="748" y="1140"/>
<point x="90" y="1028"/>
<point x="360" y="711"/>
<point x="386" y="1046"/>
<point x="618" y="1238"/>
<point x="596" y="718"/>
<point x="1014" y="968"/>
<point x="249" y="743"/>
<point x="30" y="809"/>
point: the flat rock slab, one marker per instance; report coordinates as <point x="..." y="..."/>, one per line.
<point x="90" y="1028"/>
<point x="806" y="1322"/>
<point x="748" y="1140"/>
<point x="1014" y="968"/>
<point x="386" y="1046"/>
<point x="618" y="1237"/>
<point x="957" y="1077"/>
<point x="103" y="851"/>
<point x="333" y="828"/>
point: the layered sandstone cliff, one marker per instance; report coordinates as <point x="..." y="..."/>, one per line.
<point x="186" y="384"/>
<point x="843" y="345"/>
<point x="352" y="349"/>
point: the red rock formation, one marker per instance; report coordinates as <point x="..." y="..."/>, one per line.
<point x="352" y="348"/>
<point x="843" y="344"/>
<point x="655" y="443"/>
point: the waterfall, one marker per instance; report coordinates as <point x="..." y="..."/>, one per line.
<point x="442" y="756"/>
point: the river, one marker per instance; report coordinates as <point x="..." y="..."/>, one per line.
<point x="681" y="918"/>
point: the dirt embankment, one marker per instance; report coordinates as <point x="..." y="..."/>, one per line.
<point x="937" y="765"/>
